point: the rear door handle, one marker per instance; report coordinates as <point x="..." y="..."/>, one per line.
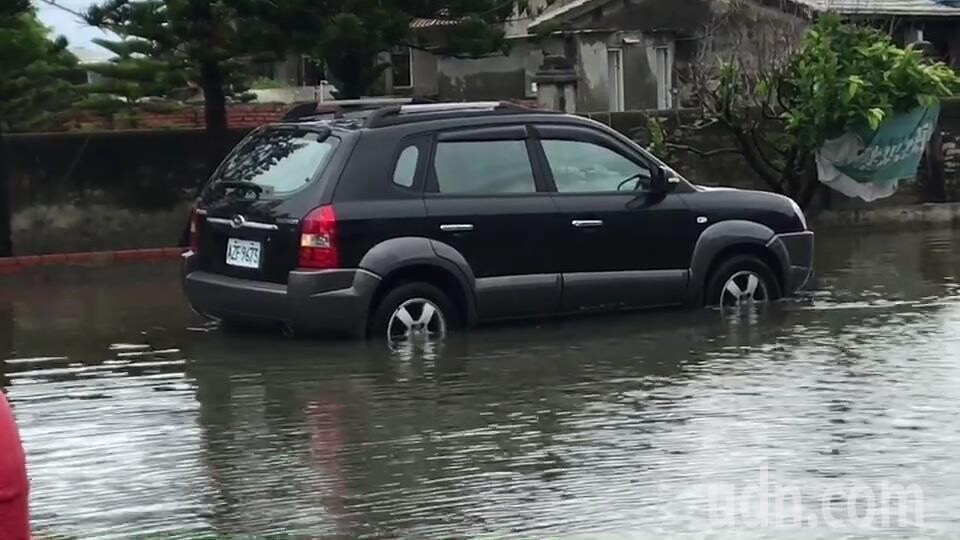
<point x="456" y="227"/>
<point x="587" y="223"/>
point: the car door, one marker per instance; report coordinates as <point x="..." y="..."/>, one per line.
<point x="624" y="245"/>
<point x="486" y="199"/>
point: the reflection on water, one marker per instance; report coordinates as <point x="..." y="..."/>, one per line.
<point x="139" y="420"/>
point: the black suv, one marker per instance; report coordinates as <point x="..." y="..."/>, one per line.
<point x="419" y="219"/>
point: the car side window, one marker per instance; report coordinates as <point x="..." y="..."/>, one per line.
<point x="483" y="167"/>
<point x="581" y="167"/>
<point x="404" y="173"/>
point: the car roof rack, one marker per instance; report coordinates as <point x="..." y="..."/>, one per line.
<point x="398" y="114"/>
<point x="316" y="110"/>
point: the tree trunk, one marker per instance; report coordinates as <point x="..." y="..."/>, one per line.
<point x="355" y="73"/>
<point x="214" y="112"/>
<point x="812" y="185"/>
<point x="6" y="240"/>
<point x="935" y="187"/>
<point x="215" y="121"/>
<point x="350" y="77"/>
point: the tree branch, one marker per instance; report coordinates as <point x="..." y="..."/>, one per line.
<point x="756" y="142"/>
<point x="445" y="52"/>
<point x="700" y="152"/>
<point x="749" y="151"/>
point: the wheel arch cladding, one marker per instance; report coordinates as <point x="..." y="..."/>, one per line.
<point x="724" y="239"/>
<point x="406" y="259"/>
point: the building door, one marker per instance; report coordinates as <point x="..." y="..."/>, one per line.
<point x="664" y="73"/>
<point x="615" y="79"/>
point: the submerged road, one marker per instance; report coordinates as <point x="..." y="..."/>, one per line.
<point x="831" y="414"/>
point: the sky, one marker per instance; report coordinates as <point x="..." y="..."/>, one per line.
<point x="78" y="33"/>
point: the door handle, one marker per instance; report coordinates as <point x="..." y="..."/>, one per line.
<point x="456" y="227"/>
<point x="587" y="223"/>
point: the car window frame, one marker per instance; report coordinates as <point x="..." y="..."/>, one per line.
<point x="486" y="133"/>
<point x="591" y="136"/>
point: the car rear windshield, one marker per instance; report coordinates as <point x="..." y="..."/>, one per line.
<point x="277" y="161"/>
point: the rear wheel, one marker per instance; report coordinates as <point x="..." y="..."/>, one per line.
<point x="742" y="280"/>
<point x="414" y="311"/>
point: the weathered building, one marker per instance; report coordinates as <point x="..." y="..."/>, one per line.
<point x="612" y="55"/>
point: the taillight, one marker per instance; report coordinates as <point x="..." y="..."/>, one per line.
<point x="195" y="231"/>
<point x="318" y="239"/>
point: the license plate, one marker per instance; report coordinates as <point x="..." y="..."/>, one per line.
<point x="244" y="253"/>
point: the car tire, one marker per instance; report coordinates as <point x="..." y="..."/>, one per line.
<point x="414" y="295"/>
<point x="750" y="275"/>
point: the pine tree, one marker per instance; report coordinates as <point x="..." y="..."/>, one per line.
<point x="136" y="78"/>
<point x="350" y="36"/>
<point x="206" y="40"/>
<point x="34" y="71"/>
<point x="34" y="86"/>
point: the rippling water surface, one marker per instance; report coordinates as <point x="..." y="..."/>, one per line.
<point x="141" y="420"/>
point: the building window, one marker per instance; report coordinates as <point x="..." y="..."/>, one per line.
<point x="401" y="62"/>
<point x="615" y="79"/>
<point x="664" y="74"/>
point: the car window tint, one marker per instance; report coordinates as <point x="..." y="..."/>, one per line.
<point x="579" y="166"/>
<point x="483" y="167"/>
<point x="406" y="169"/>
<point x="279" y="161"/>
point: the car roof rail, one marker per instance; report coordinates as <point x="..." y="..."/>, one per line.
<point x="412" y="112"/>
<point x="312" y="109"/>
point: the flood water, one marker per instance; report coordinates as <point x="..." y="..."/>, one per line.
<point x="141" y="421"/>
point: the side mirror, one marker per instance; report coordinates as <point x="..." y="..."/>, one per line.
<point x="663" y="181"/>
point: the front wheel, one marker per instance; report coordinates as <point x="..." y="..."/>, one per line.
<point x="414" y="311"/>
<point x="741" y="280"/>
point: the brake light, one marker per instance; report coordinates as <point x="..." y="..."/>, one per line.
<point x="318" y="239"/>
<point x="195" y="231"/>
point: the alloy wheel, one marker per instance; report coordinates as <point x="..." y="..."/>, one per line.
<point x="416" y="318"/>
<point x="744" y="287"/>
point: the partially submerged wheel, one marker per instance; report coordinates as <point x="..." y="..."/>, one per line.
<point x="414" y="312"/>
<point x="742" y="280"/>
<point x="416" y="316"/>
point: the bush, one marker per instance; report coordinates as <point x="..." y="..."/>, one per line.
<point x="845" y="76"/>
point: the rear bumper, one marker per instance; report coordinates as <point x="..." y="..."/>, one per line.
<point x="795" y="251"/>
<point x="323" y="301"/>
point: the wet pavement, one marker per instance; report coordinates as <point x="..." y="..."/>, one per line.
<point x="140" y="420"/>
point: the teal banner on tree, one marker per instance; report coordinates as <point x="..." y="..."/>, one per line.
<point x="870" y="164"/>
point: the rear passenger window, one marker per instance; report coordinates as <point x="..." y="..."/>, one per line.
<point x="483" y="167"/>
<point x="406" y="169"/>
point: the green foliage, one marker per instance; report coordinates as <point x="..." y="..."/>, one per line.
<point x="846" y="76"/>
<point x="656" y="128"/>
<point x="35" y="71"/>
<point x="167" y="43"/>
<point x="350" y="36"/>
<point x="840" y="77"/>
<point x="134" y="79"/>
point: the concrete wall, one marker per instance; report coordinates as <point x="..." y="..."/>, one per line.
<point x="494" y="77"/>
<point x="131" y="189"/>
<point x="424" y="73"/>
<point x="593" y="89"/>
<point x="105" y="190"/>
